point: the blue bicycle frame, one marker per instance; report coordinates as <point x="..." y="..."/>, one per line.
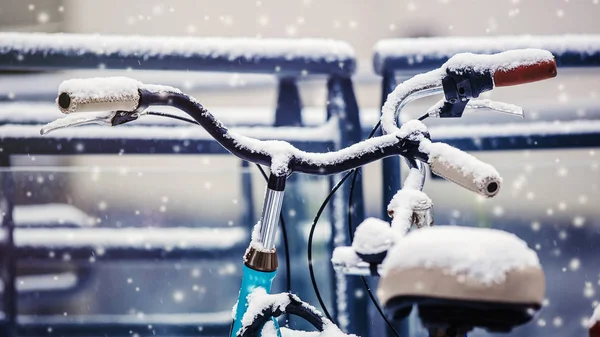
<point x="260" y="266"/>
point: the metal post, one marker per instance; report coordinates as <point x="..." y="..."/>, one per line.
<point x="350" y="311"/>
<point x="9" y="265"/>
<point x="248" y="216"/>
<point x="289" y="113"/>
<point x="391" y="183"/>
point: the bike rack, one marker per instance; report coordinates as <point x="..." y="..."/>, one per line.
<point x="289" y="61"/>
<point x="396" y="59"/>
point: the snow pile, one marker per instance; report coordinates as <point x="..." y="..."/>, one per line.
<point x="485" y="255"/>
<point x="345" y="255"/>
<point x="209" y="238"/>
<point x="372" y="236"/>
<point x="76" y="119"/>
<point x="188" y="47"/>
<point x="259" y="300"/>
<point x="406" y="201"/>
<point x="51" y="215"/>
<point x="504" y="61"/>
<point x="460" y="161"/>
<point x="100" y="90"/>
<point x="255" y="242"/>
<point x="470" y="167"/>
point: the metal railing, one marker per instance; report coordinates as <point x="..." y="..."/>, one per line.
<point x="287" y="60"/>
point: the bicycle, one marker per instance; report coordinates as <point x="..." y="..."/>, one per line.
<point x="377" y="249"/>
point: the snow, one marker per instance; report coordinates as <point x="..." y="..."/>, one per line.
<point x="507" y="108"/>
<point x="460" y="161"/>
<point x="417" y="50"/>
<point x="282" y="152"/>
<point x="189" y="47"/>
<point x="209" y="238"/>
<point x="406" y="201"/>
<point x="259" y="300"/>
<point x="422" y="82"/>
<point x="345" y="255"/>
<point x="503" y="107"/>
<point x="482" y="254"/>
<point x="581" y="126"/>
<point x="372" y="236"/>
<point x="194" y="319"/>
<point x="76" y="119"/>
<point x="595" y="317"/>
<point x="503" y="61"/>
<point x="47" y="282"/>
<point x="101" y="90"/>
<point x="51" y="215"/>
<point x="255" y="242"/>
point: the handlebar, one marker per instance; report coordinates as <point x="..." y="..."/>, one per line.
<point x="126" y="99"/>
<point x="101" y="94"/>
<point x="525" y="74"/>
<point x="282" y="157"/>
<point x="465" y="76"/>
<point x="463" y="169"/>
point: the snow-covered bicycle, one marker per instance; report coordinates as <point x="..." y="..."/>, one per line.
<point x="460" y="278"/>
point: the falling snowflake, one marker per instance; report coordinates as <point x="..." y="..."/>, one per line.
<point x="263" y="20"/>
<point x="557" y="322"/>
<point x="178" y="296"/>
<point x="574" y="264"/>
<point x="43" y="17"/>
<point x="588" y="290"/>
<point x="578" y="221"/>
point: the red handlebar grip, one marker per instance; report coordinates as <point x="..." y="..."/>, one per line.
<point x="525" y="74"/>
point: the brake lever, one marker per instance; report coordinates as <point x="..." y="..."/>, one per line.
<point x="107" y="118"/>
<point x="440" y="108"/>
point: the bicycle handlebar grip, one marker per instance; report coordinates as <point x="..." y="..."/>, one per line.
<point x="98" y="94"/>
<point x="464" y="169"/>
<point x="525" y="73"/>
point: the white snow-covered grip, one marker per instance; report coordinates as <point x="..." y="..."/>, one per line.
<point x="463" y="169"/>
<point x="98" y="94"/>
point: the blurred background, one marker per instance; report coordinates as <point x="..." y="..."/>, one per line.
<point x="550" y="197"/>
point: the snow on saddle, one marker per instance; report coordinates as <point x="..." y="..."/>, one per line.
<point x="463" y="277"/>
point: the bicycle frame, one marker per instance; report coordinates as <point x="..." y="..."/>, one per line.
<point x="260" y="266"/>
<point x="128" y="98"/>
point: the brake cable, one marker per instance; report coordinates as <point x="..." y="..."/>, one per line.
<point x="351" y="234"/>
<point x="288" y="277"/>
<point x="354" y="173"/>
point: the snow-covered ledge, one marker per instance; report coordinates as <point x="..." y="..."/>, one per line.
<point x="300" y="56"/>
<point x="413" y="52"/>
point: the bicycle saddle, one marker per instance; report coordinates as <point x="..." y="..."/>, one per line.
<point x="461" y="278"/>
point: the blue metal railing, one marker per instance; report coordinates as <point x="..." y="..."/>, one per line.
<point x="287" y="60"/>
<point x="396" y="59"/>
